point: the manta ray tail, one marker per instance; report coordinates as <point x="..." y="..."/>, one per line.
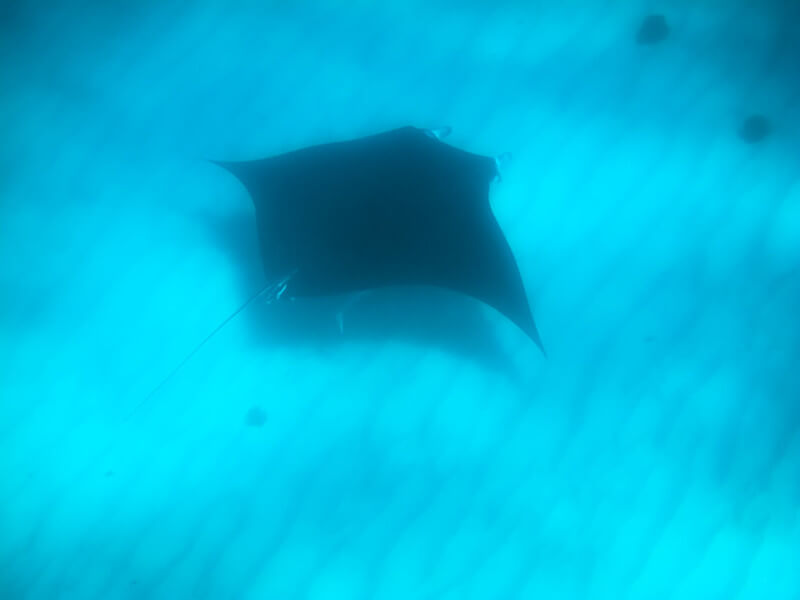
<point x="271" y="291"/>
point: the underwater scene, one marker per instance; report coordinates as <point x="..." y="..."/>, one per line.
<point x="405" y="300"/>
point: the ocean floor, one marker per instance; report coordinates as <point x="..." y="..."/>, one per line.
<point x="429" y="451"/>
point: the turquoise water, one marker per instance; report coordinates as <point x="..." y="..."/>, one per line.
<point x="429" y="451"/>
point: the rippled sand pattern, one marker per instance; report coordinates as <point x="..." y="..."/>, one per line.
<point x="429" y="451"/>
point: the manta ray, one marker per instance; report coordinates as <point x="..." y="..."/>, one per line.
<point x="398" y="208"/>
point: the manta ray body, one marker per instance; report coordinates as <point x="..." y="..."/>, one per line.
<point x="396" y="208"/>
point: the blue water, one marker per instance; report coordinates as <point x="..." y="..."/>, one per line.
<point x="435" y="453"/>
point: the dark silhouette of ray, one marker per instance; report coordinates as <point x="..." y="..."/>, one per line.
<point x="399" y="208"/>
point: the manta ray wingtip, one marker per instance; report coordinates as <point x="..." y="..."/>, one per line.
<point x="538" y="341"/>
<point x="220" y="163"/>
<point x="533" y="333"/>
<point x="239" y="170"/>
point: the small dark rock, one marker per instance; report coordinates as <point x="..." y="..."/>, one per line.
<point x="755" y="129"/>
<point x="109" y="473"/>
<point x="256" y="417"/>
<point x="653" y="30"/>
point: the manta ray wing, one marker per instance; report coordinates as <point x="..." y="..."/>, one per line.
<point x="395" y="208"/>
